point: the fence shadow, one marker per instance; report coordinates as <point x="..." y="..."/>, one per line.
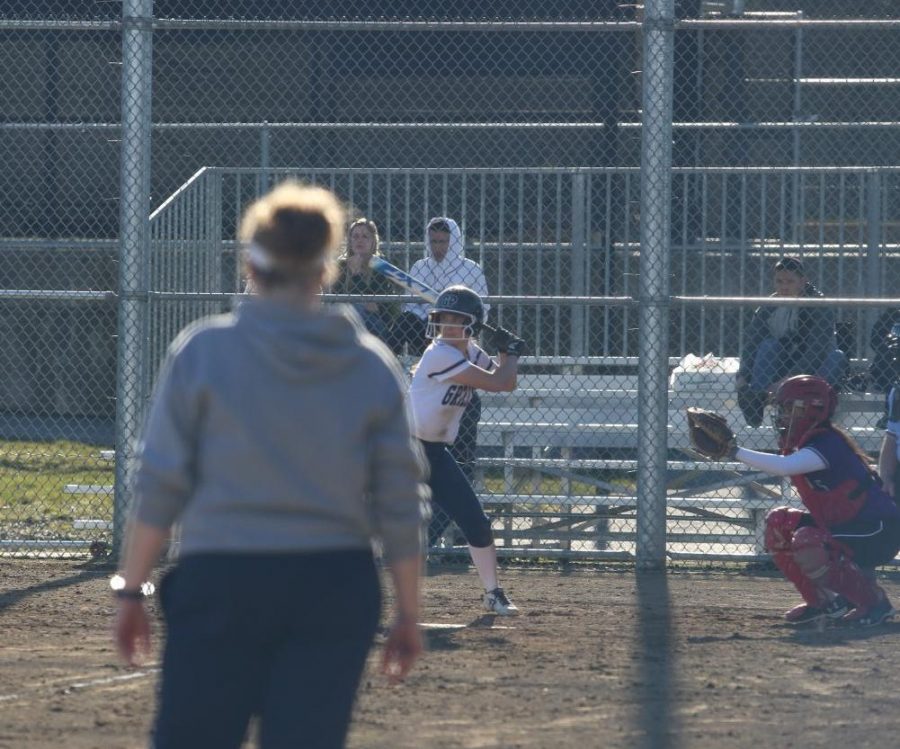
<point x="10" y="598"/>
<point x="654" y="721"/>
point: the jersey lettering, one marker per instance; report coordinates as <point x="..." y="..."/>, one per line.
<point x="457" y="395"/>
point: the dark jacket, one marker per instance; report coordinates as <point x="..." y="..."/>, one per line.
<point x="806" y="347"/>
<point x="882" y="369"/>
<point x="366" y="283"/>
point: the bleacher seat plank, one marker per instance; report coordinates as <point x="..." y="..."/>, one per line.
<point x="587" y="501"/>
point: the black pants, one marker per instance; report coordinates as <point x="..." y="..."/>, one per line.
<point x="463" y="452"/>
<point x="281" y="636"/>
<point x="873" y="542"/>
<point x="452" y="493"/>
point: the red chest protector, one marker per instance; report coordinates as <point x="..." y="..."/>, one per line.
<point x="837" y="505"/>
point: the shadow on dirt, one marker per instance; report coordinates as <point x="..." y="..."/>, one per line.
<point x="654" y="723"/>
<point x="12" y="597"/>
<point x="441" y="640"/>
<point x="840" y="635"/>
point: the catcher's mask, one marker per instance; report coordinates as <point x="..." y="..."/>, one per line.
<point x="802" y="403"/>
<point x="459" y="300"/>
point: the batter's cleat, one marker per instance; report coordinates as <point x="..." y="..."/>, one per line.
<point x="836" y="608"/>
<point x="871" y="617"/>
<point x="497" y="602"/>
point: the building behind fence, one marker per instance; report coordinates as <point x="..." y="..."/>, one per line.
<point x="522" y="120"/>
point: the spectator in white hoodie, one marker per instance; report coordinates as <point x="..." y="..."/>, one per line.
<point x="444" y="264"/>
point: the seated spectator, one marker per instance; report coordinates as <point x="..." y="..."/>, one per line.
<point x="785" y="341"/>
<point x="881" y="371"/>
<point x="356" y="277"/>
<point x="444" y="264"/>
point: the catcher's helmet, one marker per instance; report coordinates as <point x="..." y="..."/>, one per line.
<point x="460" y="300"/>
<point x="802" y="403"/>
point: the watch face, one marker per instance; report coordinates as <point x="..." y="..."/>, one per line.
<point x="117" y="582"/>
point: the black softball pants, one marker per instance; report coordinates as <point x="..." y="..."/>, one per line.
<point x="281" y="636"/>
<point x="452" y="493"/>
<point x="873" y="542"/>
<point x="463" y="451"/>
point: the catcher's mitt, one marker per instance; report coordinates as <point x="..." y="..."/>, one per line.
<point x="710" y="434"/>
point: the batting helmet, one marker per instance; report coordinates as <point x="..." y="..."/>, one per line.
<point x="460" y="300"/>
<point x="802" y="403"/>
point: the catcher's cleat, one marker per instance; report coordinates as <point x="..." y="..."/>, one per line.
<point x="836" y="608"/>
<point x="871" y="617"/>
<point x="497" y="602"/>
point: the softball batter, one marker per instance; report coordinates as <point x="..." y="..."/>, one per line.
<point x="443" y="382"/>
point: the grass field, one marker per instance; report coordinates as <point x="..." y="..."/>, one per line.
<point x="33" y="477"/>
<point x="36" y="508"/>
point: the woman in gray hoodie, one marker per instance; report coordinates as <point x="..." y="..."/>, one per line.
<point x="279" y="441"/>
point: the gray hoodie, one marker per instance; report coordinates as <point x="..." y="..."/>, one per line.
<point x="455" y="268"/>
<point x="274" y="429"/>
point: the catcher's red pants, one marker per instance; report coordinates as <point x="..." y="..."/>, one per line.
<point x="281" y="636"/>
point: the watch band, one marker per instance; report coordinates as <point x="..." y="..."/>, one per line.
<point x="131" y="595"/>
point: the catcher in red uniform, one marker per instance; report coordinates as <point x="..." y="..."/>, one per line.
<point x="850" y="524"/>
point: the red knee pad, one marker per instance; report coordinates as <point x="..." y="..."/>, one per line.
<point x="810" y="548"/>
<point x="780" y="526"/>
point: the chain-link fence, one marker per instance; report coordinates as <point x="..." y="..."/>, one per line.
<point x="609" y="166"/>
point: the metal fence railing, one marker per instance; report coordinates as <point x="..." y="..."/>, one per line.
<point x="575" y="233"/>
<point x="611" y="166"/>
<point x="558" y="460"/>
<point x="800" y="83"/>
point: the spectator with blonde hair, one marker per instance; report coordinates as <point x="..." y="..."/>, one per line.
<point x="356" y="277"/>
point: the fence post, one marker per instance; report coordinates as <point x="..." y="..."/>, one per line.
<point x="578" y="260"/>
<point x="796" y="119"/>
<point x="656" y="196"/>
<point x="212" y="195"/>
<point x="874" y="276"/>
<point x="263" y="179"/>
<point x="134" y="234"/>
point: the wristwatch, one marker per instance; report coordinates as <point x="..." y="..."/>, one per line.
<point x="117" y="583"/>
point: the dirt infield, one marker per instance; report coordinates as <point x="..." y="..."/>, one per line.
<point x="598" y="659"/>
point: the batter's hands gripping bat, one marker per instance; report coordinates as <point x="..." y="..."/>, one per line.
<point x="514" y="347"/>
<point x="507" y="342"/>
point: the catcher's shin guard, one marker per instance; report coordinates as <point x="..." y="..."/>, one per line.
<point x="811" y="592"/>
<point x="828" y="564"/>
<point x="781" y="523"/>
